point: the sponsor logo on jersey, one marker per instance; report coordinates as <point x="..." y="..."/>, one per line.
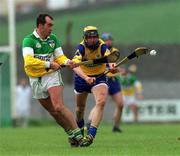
<point x="46" y="57"/>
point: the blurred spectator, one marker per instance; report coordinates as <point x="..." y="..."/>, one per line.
<point x="23" y="97"/>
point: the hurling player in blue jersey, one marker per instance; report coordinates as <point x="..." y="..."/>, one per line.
<point x="114" y="87"/>
<point x="88" y="81"/>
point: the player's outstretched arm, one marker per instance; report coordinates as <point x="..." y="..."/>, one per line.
<point x="88" y="79"/>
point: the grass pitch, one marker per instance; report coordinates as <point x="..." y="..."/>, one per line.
<point x="152" y="22"/>
<point x="136" y="140"/>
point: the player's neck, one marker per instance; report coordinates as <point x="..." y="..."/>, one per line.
<point x="41" y="35"/>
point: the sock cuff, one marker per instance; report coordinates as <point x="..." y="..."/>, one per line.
<point x="80" y="123"/>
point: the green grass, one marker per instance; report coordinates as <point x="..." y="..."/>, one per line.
<point x="136" y="140"/>
<point x="153" y="22"/>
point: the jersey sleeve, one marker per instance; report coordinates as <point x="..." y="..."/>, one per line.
<point x="104" y="50"/>
<point x="59" y="56"/>
<point x="27" y="42"/>
<point x="28" y="55"/>
<point x="79" y="54"/>
<point x="57" y="42"/>
<point x="138" y="87"/>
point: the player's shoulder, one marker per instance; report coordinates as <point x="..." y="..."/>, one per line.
<point x="53" y="36"/>
<point x="101" y="42"/>
<point x="102" y="45"/>
<point x="29" y="38"/>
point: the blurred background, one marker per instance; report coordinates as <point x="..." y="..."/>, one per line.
<point x="132" y="23"/>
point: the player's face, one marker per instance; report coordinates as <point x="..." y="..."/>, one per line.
<point x="47" y="27"/>
<point x="92" y="40"/>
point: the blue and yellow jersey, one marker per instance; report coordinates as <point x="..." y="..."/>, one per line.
<point x="38" y="53"/>
<point x="83" y="54"/>
<point x="112" y="49"/>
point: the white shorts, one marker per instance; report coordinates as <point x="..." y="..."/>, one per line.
<point x="41" y="85"/>
<point x="129" y="100"/>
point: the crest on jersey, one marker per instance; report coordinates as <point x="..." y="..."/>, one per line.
<point x="51" y="43"/>
<point x="77" y="52"/>
<point x="38" y="45"/>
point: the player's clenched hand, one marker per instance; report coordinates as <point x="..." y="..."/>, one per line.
<point x="72" y="64"/>
<point x="113" y="69"/>
<point x="54" y="66"/>
<point x="90" y="80"/>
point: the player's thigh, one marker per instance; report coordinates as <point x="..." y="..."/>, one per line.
<point x="100" y="92"/>
<point x="46" y="103"/>
<point x="56" y="94"/>
<point x="118" y="98"/>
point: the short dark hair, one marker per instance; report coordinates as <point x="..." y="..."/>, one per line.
<point x="41" y="19"/>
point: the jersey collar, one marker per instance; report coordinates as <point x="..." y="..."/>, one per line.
<point x="37" y="36"/>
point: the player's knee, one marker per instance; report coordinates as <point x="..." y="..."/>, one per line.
<point x="101" y="103"/>
<point x="59" y="109"/>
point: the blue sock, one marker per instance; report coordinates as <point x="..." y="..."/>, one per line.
<point x="80" y="123"/>
<point x="92" y="131"/>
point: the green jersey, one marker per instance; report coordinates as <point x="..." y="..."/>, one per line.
<point x="43" y="49"/>
<point x="127" y="83"/>
<point x="38" y="53"/>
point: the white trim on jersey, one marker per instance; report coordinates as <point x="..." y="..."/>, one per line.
<point x="47" y="64"/>
<point x="28" y="51"/>
<point x="58" y="52"/>
<point x="37" y="35"/>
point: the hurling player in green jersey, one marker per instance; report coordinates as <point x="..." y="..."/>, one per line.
<point x="131" y="89"/>
<point x="43" y="58"/>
